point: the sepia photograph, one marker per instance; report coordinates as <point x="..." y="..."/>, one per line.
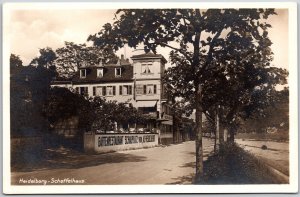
<point x="150" y="98"/>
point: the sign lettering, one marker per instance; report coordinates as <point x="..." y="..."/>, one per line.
<point x="123" y="140"/>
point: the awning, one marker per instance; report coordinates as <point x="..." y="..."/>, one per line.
<point x="145" y="104"/>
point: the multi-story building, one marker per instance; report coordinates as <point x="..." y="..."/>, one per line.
<point x="139" y="84"/>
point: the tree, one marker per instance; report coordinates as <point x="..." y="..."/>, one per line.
<point x="275" y="115"/>
<point x="15" y="61"/>
<point x="62" y="103"/>
<point x="72" y="56"/>
<point x="243" y="90"/>
<point x="29" y="88"/>
<point x="106" y="113"/>
<point x="45" y="59"/>
<point x="196" y="39"/>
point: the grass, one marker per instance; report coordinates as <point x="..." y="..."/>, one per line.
<point x="233" y="165"/>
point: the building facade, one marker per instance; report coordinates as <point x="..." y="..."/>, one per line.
<point x="138" y="83"/>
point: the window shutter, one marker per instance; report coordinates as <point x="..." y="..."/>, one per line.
<point x="145" y="89"/>
<point x="154" y="91"/>
<point x="130" y="90"/>
<point x="120" y="90"/>
<point x="94" y="91"/>
<point x="86" y="91"/>
<point x="114" y="90"/>
<point x="104" y="91"/>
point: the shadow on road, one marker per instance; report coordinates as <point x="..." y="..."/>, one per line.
<point x="69" y="159"/>
<point x="188" y="179"/>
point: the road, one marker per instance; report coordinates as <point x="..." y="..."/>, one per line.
<point x="276" y="155"/>
<point x="172" y="164"/>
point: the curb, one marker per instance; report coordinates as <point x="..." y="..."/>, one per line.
<point x="281" y="176"/>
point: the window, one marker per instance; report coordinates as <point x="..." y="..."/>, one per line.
<point x="147" y="68"/>
<point x="118" y="72"/>
<point x="82" y="73"/>
<point x="83" y="91"/>
<point x="100" y="72"/>
<point x="125" y="90"/>
<point x="148" y="89"/>
<point x="111" y="90"/>
<point x="98" y="91"/>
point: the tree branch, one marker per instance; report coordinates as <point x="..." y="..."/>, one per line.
<point x="210" y="51"/>
<point x="174" y="48"/>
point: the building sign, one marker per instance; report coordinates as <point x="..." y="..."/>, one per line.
<point x="110" y="140"/>
<point x="118" y="141"/>
<point x="124" y="139"/>
<point x="139" y="89"/>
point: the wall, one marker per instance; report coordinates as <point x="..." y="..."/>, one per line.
<point x="118" y="141"/>
<point x="149" y="96"/>
<point x="26" y="143"/>
<point x="89" y="142"/>
<point x="117" y="97"/>
<point x="156" y="68"/>
<point x="67" y="127"/>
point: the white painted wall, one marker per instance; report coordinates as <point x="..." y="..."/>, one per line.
<point x="107" y="143"/>
<point x="120" y="98"/>
<point x="155" y="69"/>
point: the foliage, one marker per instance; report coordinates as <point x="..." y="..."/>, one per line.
<point x="45" y="59"/>
<point x="61" y="104"/>
<point x="29" y="87"/>
<point x="15" y="61"/>
<point x="94" y="113"/>
<point x="106" y="113"/>
<point x="275" y="116"/>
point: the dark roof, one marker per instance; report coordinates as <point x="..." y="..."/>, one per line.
<point x="149" y="56"/>
<point x="108" y="74"/>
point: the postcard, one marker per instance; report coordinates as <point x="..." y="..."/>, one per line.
<point x="146" y="98"/>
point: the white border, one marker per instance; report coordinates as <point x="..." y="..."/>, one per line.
<point x="138" y="189"/>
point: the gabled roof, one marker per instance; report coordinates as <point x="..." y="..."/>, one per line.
<point x="149" y="55"/>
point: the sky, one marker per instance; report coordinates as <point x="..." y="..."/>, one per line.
<point x="31" y="30"/>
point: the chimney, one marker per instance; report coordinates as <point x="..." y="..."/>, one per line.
<point x="100" y="61"/>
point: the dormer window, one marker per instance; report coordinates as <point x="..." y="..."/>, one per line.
<point x="82" y="73"/>
<point x="118" y="72"/>
<point x="100" y="72"/>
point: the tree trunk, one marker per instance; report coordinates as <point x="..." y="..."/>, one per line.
<point x="217" y="132"/>
<point x="174" y="129"/>
<point x="199" y="146"/>
<point x="231" y="137"/>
